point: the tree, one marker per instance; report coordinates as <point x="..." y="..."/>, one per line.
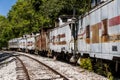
<point x="28" y="16"/>
<point x="5" y="31"/>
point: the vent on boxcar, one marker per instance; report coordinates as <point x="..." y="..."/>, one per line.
<point x="114" y="48"/>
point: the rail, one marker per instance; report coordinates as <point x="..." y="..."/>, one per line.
<point x="61" y="75"/>
<point x="24" y="68"/>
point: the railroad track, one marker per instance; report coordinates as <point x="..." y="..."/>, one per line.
<point x="71" y="72"/>
<point x="22" y="70"/>
<point x="55" y="70"/>
<point x="33" y="69"/>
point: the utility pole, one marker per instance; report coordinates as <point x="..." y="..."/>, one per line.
<point x="74" y="34"/>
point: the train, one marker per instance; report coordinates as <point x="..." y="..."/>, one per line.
<point x="96" y="34"/>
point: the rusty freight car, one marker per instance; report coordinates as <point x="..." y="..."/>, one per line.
<point x="42" y="40"/>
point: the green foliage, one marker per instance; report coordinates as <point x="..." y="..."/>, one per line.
<point x="107" y="72"/>
<point x="28" y="16"/>
<point x="86" y="63"/>
<point x="103" y="69"/>
<point x="5" y="31"/>
<point x="36" y="4"/>
<point x="109" y="76"/>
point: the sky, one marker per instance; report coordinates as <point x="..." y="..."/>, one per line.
<point x="5" y="6"/>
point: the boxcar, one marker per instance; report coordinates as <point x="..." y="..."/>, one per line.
<point x="13" y="44"/>
<point x="99" y="32"/>
<point x="42" y="42"/>
<point x="30" y="47"/>
<point x="60" y="39"/>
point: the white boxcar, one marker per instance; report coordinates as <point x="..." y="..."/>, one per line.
<point x="60" y="37"/>
<point x="99" y="31"/>
<point x="22" y="44"/>
<point x="13" y="44"/>
<point x="31" y="43"/>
